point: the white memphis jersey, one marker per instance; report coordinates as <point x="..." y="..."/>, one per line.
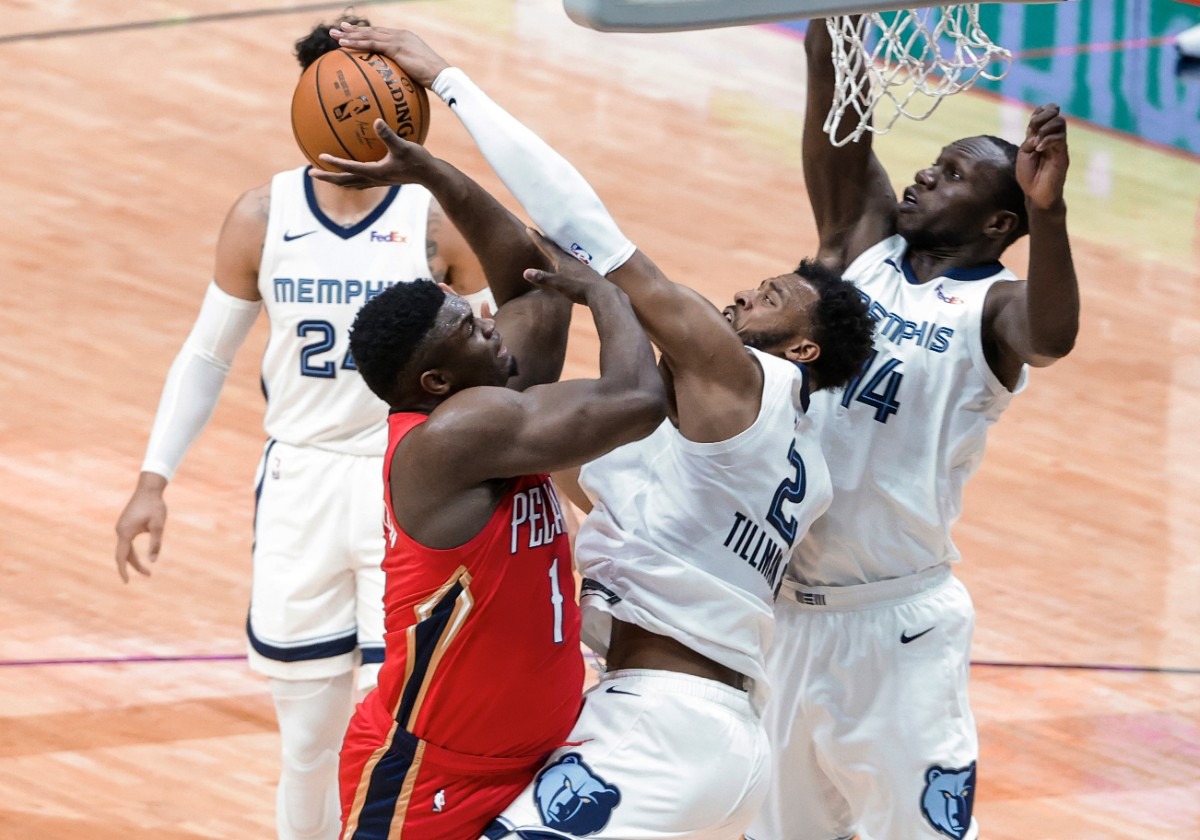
<point x="904" y="437"/>
<point x="690" y="540"/>
<point x="313" y="278"/>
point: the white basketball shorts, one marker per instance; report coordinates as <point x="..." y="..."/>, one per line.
<point x="654" y="754"/>
<point x="316" y="604"/>
<point x="868" y="718"/>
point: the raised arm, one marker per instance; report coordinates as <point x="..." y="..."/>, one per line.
<point x="535" y="322"/>
<point x="1035" y="322"/>
<point x="482" y="435"/>
<point x="707" y="358"/>
<point x="852" y="200"/>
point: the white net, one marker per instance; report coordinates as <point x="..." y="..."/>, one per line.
<point x="895" y="64"/>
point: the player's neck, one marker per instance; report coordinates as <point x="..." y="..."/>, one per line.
<point x="930" y="262"/>
<point x="347" y="207"/>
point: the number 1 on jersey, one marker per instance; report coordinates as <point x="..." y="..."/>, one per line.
<point x="556" y="598"/>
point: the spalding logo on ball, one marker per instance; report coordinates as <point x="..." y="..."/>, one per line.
<point x="342" y="93"/>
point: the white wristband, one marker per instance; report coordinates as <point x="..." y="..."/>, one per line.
<point x="551" y="190"/>
<point x="196" y="377"/>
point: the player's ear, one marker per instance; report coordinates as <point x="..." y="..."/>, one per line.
<point x="435" y="382"/>
<point x="1001" y="224"/>
<point x="805" y="351"/>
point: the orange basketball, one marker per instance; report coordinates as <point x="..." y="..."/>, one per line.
<point x="340" y="96"/>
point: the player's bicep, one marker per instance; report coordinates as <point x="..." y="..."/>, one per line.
<point x="536" y="327"/>
<point x="240" y="244"/>
<point x="498" y="433"/>
<point x="450" y="257"/>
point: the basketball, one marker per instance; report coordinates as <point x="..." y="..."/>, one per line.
<point x="342" y="93"/>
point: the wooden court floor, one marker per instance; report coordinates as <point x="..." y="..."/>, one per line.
<point x="126" y="712"/>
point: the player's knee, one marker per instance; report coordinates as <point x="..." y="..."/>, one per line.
<point x="312" y="715"/>
<point x="307" y="800"/>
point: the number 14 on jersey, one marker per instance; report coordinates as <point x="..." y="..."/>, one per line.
<point x="882" y="384"/>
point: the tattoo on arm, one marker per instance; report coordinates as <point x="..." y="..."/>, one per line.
<point x="432" y="229"/>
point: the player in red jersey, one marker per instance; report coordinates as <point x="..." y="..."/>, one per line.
<point x="483" y="674"/>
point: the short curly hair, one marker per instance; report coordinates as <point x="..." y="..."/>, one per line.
<point x="841" y="326"/>
<point x="318" y="42"/>
<point x="389" y="330"/>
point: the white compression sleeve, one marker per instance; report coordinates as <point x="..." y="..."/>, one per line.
<point x="551" y="190"/>
<point x="196" y="377"/>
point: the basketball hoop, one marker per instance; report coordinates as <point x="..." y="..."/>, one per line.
<point x="909" y="61"/>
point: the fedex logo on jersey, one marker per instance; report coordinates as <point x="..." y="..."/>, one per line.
<point x="897" y="329"/>
<point x="391" y="236"/>
<point x="326" y="291"/>
<point x="536" y="518"/>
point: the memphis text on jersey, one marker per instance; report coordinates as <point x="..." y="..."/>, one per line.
<point x="896" y="329"/>
<point x="327" y="290"/>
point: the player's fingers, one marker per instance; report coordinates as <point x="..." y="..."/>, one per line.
<point x="350" y="177"/>
<point x="124" y="548"/>
<point x="391" y="139"/>
<point x="1052" y="141"/>
<point x="156" y="533"/>
<point x="538" y="277"/>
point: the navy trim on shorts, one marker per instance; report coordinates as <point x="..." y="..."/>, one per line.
<point x="372" y="654"/>
<point x="300" y="653"/>
<point x="383" y="791"/>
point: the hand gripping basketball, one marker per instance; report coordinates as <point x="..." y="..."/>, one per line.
<point x="402" y="163"/>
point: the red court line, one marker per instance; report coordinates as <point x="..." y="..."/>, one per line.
<point x="237" y="657"/>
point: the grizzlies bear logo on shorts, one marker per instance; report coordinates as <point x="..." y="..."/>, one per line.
<point x="948" y="798"/>
<point x="573" y="799"/>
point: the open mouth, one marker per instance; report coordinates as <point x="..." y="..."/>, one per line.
<point x="727" y="312"/>
<point x="910" y="196"/>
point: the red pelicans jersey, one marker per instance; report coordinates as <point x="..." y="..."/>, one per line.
<point x="482" y="661"/>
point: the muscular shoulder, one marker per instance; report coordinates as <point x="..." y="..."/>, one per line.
<point x="240" y="245"/>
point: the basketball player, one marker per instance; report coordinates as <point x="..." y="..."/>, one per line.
<point x="312" y="254"/>
<point x="684" y="551"/>
<point x="869" y="718"/>
<point x="483" y="672"/>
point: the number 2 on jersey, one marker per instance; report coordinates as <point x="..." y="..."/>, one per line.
<point x="791" y="490"/>
<point x="325" y="337"/>
<point x="877" y="393"/>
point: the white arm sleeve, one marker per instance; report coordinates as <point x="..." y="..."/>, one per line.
<point x="551" y="190"/>
<point x="196" y="377"/>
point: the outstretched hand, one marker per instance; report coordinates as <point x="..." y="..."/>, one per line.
<point x="567" y="276"/>
<point x="405" y="48"/>
<point x="146" y="513"/>
<point x="1042" y="160"/>
<point x="404" y="163"/>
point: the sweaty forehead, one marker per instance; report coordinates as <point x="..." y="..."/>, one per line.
<point x="976" y="149"/>
<point x="798" y="289"/>
<point x="453" y="310"/>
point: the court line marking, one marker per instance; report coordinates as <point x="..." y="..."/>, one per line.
<point x="241" y="657"/>
<point x="186" y="20"/>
